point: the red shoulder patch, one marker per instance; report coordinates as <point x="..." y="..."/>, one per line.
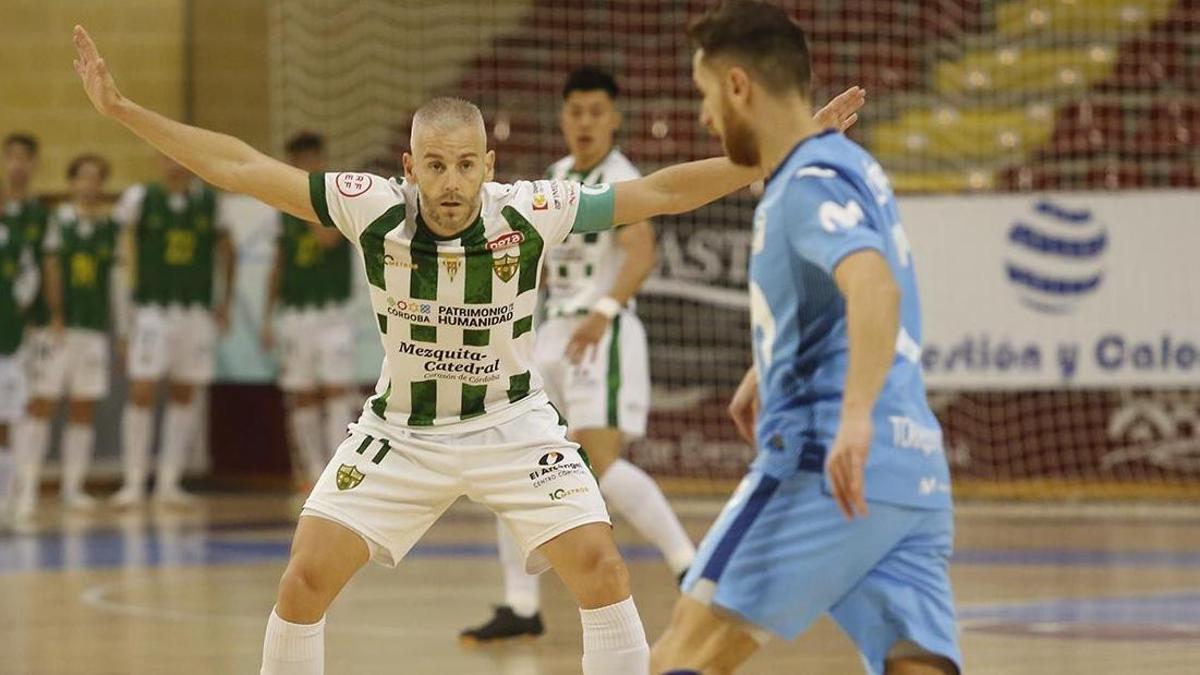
<point x="353" y="184"/>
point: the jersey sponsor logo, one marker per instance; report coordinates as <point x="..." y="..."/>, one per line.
<point x="464" y="364"/>
<point x="563" y="493"/>
<point x="505" y="241"/>
<point x="540" y="203"/>
<point x="349" y="477"/>
<point x="554" y="465"/>
<point x="353" y="184"/>
<point x="930" y="485"/>
<point x="556" y="196"/>
<point x="505" y="267"/>
<point x="452" y="263"/>
<point x="392" y="261"/>
<point x="413" y="311"/>
<point x="907" y="433"/>
<point x="836" y="217"/>
<point x="475" y="317"/>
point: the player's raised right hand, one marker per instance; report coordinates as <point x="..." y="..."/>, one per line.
<point x="93" y="71"/>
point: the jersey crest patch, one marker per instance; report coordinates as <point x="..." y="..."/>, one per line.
<point x="452" y="264"/>
<point x="349" y="477"/>
<point x="505" y="241"/>
<point x="505" y="267"/>
<point x="540" y="203"/>
<point x="353" y="184"/>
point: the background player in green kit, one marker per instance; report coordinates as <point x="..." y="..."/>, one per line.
<point x="18" y="286"/>
<point x="310" y="286"/>
<point x="591" y="351"/>
<point x="174" y="243"/>
<point x="78" y="271"/>
<point x="454" y="263"/>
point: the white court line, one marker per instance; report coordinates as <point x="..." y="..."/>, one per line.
<point x="97" y="597"/>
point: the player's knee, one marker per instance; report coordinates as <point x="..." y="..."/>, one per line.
<point x="609" y="577"/>
<point x="925" y="664"/>
<point x="141" y="394"/>
<point x="181" y="393"/>
<point x="41" y="407"/>
<point x="303" y="593"/>
<point x="81" y="411"/>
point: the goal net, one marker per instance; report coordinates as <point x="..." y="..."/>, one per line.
<point x="1034" y="99"/>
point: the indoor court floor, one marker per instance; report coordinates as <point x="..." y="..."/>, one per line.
<point x="184" y="593"/>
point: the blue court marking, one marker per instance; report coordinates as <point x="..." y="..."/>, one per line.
<point x="210" y="545"/>
<point x="1159" y="617"/>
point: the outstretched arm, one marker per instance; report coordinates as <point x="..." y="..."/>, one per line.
<point x="221" y="160"/>
<point x="685" y="187"/>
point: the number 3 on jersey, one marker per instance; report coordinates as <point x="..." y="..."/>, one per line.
<point x="762" y="322"/>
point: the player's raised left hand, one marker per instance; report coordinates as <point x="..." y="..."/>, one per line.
<point x="846" y="462"/>
<point x="842" y="111"/>
<point x="587" y="335"/>
<point x="93" y="71"/>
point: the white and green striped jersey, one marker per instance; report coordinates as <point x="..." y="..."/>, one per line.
<point x="456" y="315"/>
<point x="585" y="267"/>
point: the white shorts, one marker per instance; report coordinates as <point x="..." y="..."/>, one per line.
<point x="173" y="341"/>
<point x="612" y="390"/>
<point x="75" y="366"/>
<point x="316" y="348"/>
<point x="12" y="389"/>
<point x="390" y="484"/>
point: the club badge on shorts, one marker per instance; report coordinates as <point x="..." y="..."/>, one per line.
<point x="348" y="477"/>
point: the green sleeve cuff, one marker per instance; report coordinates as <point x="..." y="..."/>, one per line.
<point x="316" y="193"/>
<point x="597" y="203"/>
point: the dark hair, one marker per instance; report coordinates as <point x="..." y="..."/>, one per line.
<point x="305" y="141"/>
<point x="27" y="141"/>
<point x="591" y="78"/>
<point x="759" y="37"/>
<point x="76" y="164"/>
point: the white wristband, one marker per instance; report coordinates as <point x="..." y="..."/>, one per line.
<point x="607" y="306"/>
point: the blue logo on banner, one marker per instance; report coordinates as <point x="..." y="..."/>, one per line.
<point x="1055" y="257"/>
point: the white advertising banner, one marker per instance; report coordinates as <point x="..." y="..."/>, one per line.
<point x="1059" y="290"/>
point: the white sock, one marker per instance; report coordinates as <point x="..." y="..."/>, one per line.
<point x="310" y="443"/>
<point x="522" y="591"/>
<point x="338" y="414"/>
<point x="135" y="455"/>
<point x="293" y="648"/>
<point x="178" y="428"/>
<point x="6" y="477"/>
<point x="614" y="642"/>
<point x="633" y="493"/>
<point x="30" y="449"/>
<point x="76" y="457"/>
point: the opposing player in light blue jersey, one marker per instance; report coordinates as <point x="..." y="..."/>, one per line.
<point x="847" y="507"/>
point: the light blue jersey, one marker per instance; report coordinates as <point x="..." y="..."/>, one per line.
<point x="830" y="199"/>
<point x="781" y="553"/>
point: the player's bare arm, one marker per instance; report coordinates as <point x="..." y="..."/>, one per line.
<point x="686" y="187"/>
<point x="218" y="159"/>
<point x="641" y="255"/>
<point x="743" y="408"/>
<point x="872" y="322"/>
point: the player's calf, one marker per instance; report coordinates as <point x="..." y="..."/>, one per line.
<point x="701" y="639"/>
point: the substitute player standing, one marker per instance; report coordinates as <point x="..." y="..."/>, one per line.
<point x="176" y="244"/>
<point x="835" y="401"/>
<point x="19" y="279"/>
<point x="310" y="284"/>
<point x="591" y="351"/>
<point x="459" y="408"/>
<point x="79" y="270"/>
